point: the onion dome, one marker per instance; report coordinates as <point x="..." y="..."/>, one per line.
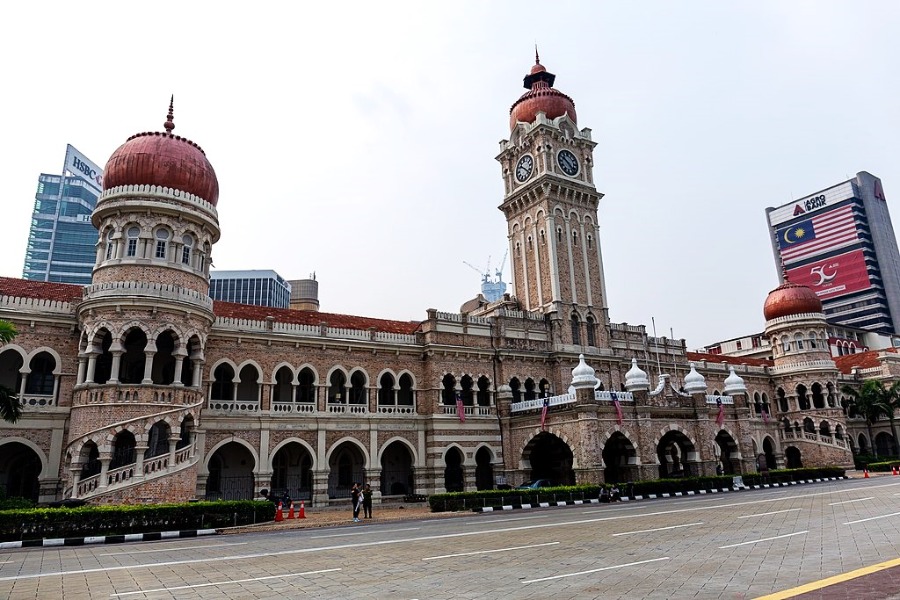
<point x="734" y="384"/>
<point x="636" y="379"/>
<point x="694" y="382"/>
<point x="540" y="97"/>
<point x="165" y="160"/>
<point x="791" y="299"/>
<point x="583" y="375"/>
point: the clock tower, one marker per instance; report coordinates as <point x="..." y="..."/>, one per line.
<point x="550" y="204"/>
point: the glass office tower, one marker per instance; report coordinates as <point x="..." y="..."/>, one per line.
<point x="259" y="287"/>
<point x="62" y="240"/>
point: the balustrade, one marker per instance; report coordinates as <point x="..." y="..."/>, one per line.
<point x="234" y="406"/>
<point x="35" y="401"/>
<point x="135" y="394"/>
<point x="294" y="407"/>
<point x="355" y="409"/>
<point x="390" y="409"/>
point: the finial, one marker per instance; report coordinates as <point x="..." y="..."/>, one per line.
<point x="537" y="57"/>
<point x="170" y="120"/>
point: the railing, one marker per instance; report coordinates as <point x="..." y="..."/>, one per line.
<point x="811" y="436"/>
<point x="400" y="409"/>
<point x="539" y="402"/>
<point x="294" y="407"/>
<point x="156" y="463"/>
<point x="120" y="475"/>
<point x="234" y="406"/>
<point x="135" y="394"/>
<point x="354" y="409"/>
<point x="605" y="396"/>
<point x="38" y="401"/>
<point x="469" y="411"/>
<point x="713" y="399"/>
<point x="88" y="485"/>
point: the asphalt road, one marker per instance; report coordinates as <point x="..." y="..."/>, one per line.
<point x="736" y="545"/>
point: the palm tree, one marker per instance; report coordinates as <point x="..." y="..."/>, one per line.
<point x="869" y="403"/>
<point x="10" y="406"/>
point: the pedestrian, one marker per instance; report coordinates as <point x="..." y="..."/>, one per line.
<point x="604" y="495"/>
<point x="614" y="494"/>
<point x="367" y="501"/>
<point x="356" y="501"/>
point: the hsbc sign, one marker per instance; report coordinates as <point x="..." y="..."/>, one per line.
<point x="80" y="165"/>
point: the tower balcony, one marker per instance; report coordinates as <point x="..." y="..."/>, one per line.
<point x="119" y="393"/>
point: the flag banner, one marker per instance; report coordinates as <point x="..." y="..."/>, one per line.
<point x="544" y="410"/>
<point x="827" y="231"/>
<point x="615" y="399"/>
<point x="460" y="410"/>
<point x="834" y="277"/>
<point x="765" y="415"/>
<point x="720" y="418"/>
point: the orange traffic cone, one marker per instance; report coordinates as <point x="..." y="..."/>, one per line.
<point x="291" y="512"/>
<point x="896" y="470"/>
<point x="279" y="512"/>
<point x="302" y="513"/>
<point x="865" y="472"/>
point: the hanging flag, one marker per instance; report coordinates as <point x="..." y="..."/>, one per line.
<point x="720" y="418"/>
<point x="615" y="399"/>
<point x="544" y="412"/>
<point x="765" y="414"/>
<point x="460" y="410"/>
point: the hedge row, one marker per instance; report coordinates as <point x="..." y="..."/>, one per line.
<point x="37" y="523"/>
<point x="882" y="467"/>
<point x="495" y="498"/>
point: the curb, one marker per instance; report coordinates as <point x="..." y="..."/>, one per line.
<point x="107" y="539"/>
<point x="654" y="496"/>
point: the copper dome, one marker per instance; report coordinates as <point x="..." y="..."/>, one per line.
<point x="540" y="97"/>
<point x="791" y="299"/>
<point x="163" y="159"/>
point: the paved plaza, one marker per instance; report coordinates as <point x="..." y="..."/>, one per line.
<point x="753" y="544"/>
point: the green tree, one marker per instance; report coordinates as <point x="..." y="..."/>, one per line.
<point x="10" y="405"/>
<point x="869" y="401"/>
<point x="891" y="400"/>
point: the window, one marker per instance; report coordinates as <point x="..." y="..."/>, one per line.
<point x="109" y="244"/>
<point x="574" y="238"/>
<point x="133" y="234"/>
<point x="559" y="234"/>
<point x="590" y="242"/>
<point x="162" y="242"/>
<point x="186" y="250"/>
<point x="576" y="330"/>
<point x="590" y="332"/>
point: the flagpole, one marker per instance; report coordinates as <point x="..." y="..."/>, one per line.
<point x="656" y="346"/>
<point x="674" y="364"/>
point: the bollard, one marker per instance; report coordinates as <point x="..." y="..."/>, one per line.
<point x="302" y="513"/>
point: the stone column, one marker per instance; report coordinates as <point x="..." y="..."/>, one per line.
<point x="198" y="372"/>
<point x="139" y="452"/>
<point x="373" y="478"/>
<point x="25" y="371"/>
<point x="148" y="365"/>
<point x="82" y="368"/>
<point x="117" y="351"/>
<point x="320" y="488"/>
<point x="76" y="478"/>
<point x="91" y="366"/>
<point x="180" y="356"/>
<point x="173" y="442"/>
<point x="105" y="459"/>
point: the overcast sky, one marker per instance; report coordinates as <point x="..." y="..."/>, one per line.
<point x="358" y="140"/>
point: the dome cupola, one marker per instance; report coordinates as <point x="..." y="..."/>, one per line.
<point x="791" y="299"/>
<point x="540" y="97"/>
<point x="163" y="160"/>
<point x="583" y="375"/>
<point x="636" y="378"/>
<point x="694" y="382"/>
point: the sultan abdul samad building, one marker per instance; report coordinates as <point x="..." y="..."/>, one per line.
<point x="140" y="388"/>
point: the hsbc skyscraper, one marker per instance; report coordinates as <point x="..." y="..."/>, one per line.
<point x="840" y="242"/>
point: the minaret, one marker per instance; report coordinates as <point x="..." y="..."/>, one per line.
<point x="144" y="324"/>
<point x="550" y="204"/>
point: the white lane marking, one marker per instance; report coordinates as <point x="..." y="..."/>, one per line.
<point x="479" y="522"/>
<point x="489" y="551"/>
<point x="774" y="512"/>
<point x="425" y="538"/>
<point x="769" y="539"/>
<point x="849" y="501"/>
<point x="218" y="583"/>
<point x="872" y="518"/>
<point x="642" y="562"/>
<point x="123" y="551"/>
<point x="334" y="535"/>
<point x="657" y="529"/>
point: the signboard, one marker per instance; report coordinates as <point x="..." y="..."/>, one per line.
<point x="78" y="164"/>
<point x="834" y="277"/>
<point x="810" y="205"/>
<point x="824" y="232"/>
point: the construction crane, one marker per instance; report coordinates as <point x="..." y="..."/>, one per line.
<point x="492" y="288"/>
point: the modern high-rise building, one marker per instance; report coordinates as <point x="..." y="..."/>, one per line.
<point x="840" y="242"/>
<point x="62" y="240"/>
<point x="259" y="287"/>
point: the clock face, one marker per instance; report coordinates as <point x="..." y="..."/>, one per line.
<point x="567" y="162"/>
<point x="524" y="168"/>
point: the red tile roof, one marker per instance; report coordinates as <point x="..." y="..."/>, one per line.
<point x="731" y="360"/>
<point x="41" y="290"/>
<point x="311" y="317"/>
<point x="863" y="360"/>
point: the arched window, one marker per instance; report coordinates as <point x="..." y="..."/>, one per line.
<point x="336" y="388"/>
<point x="799" y="340"/>
<point x="785" y="344"/>
<point x="131" y="247"/>
<point x="516" y="388"/>
<point x="813" y="340"/>
<point x="109" y="244"/>
<point x="559" y="234"/>
<point x="188" y="241"/>
<point x="576" y="330"/>
<point x="162" y="242"/>
<point x="591" y="341"/>
<point x="590" y="242"/>
<point x="574" y="238"/>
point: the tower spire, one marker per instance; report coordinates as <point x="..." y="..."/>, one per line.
<point x="170" y="119"/>
<point x="537" y="57"/>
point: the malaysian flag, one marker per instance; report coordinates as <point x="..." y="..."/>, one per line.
<point x="460" y="410"/>
<point x="544" y="412"/>
<point x="828" y="231"/>
<point x="615" y="399"/>
<point x="720" y="418"/>
<point x="765" y="414"/>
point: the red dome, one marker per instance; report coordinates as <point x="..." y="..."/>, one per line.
<point x="162" y="159"/>
<point x="540" y="97"/>
<point x="791" y="299"/>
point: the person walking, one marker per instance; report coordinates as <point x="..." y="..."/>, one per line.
<point x="367" y="501"/>
<point x="356" y="501"/>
